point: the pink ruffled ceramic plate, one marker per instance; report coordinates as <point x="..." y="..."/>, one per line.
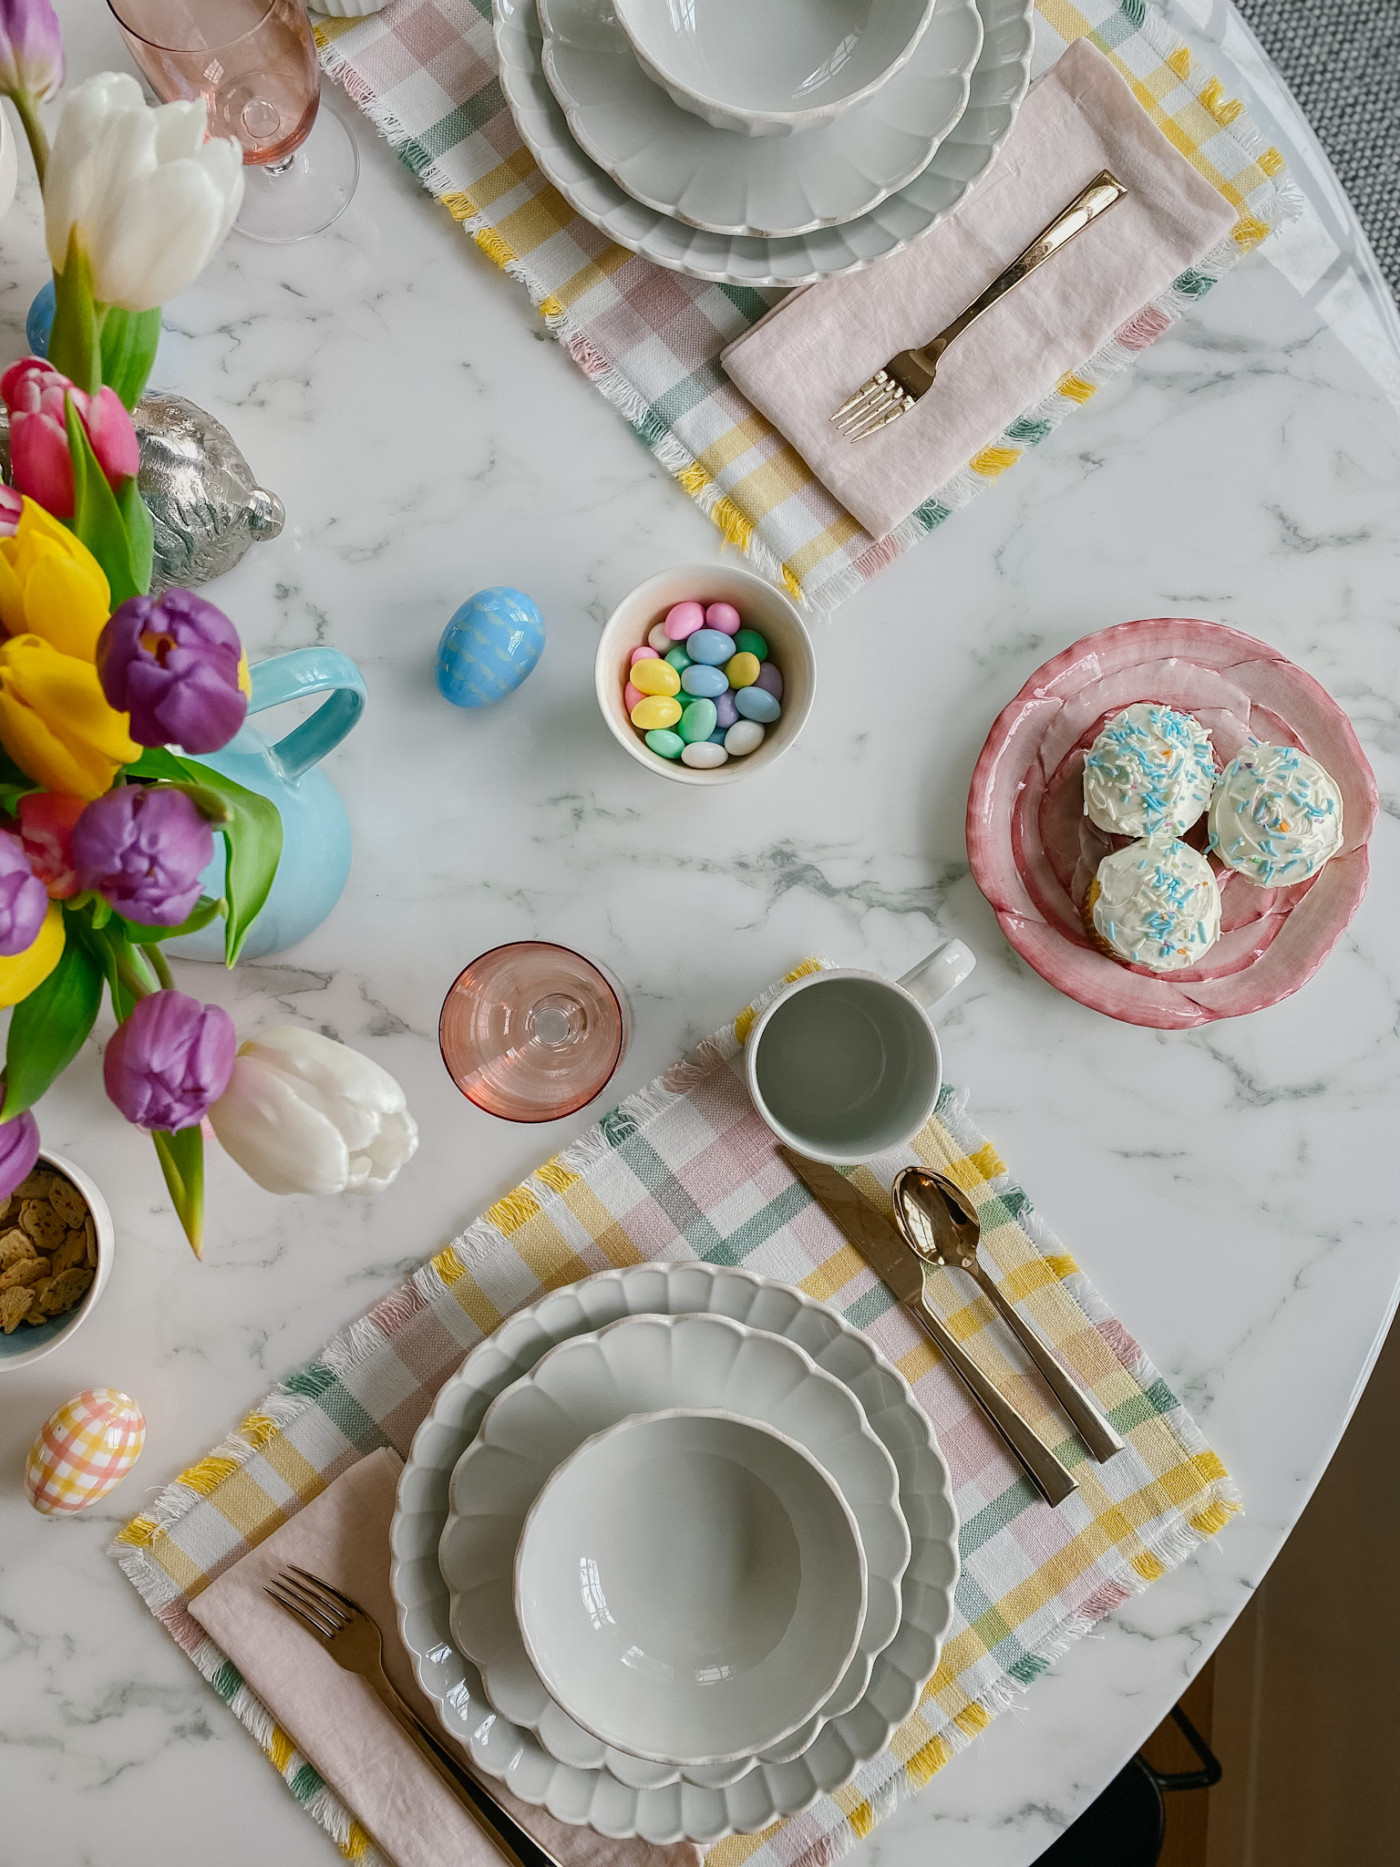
<point x="1034" y="852"/>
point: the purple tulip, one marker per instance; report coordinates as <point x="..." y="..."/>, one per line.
<point x="171" y="662"/>
<point x="19" y="1149"/>
<point x="24" y="900"/>
<point x="143" y="851"/>
<point x="170" y="1060"/>
<point x="31" y="49"/>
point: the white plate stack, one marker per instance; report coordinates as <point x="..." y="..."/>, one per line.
<point x="764" y="146"/>
<point x="674" y="1552"/>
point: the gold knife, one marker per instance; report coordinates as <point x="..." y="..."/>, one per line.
<point x="896" y="1265"/>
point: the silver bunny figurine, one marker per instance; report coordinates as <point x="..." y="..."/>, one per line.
<point x="205" y="502"/>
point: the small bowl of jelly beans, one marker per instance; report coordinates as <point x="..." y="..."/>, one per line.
<point x="705" y="674"/>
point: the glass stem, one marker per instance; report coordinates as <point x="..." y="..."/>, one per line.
<point x="278" y="168"/>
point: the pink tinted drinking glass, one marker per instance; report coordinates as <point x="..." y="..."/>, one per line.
<point x="254" y="63"/>
<point x="533" y="1031"/>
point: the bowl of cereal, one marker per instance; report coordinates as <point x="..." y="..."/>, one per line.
<point x="705" y="674"/>
<point x="56" y="1242"/>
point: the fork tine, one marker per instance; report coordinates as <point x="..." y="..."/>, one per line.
<point x="315" y="1581"/>
<point x="877" y="418"/>
<point x="289" y="1606"/>
<point x="853" y="401"/>
<point x="327" y="1611"/>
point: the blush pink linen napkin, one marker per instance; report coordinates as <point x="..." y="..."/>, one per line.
<point x="335" y="1718"/>
<point x="801" y="361"/>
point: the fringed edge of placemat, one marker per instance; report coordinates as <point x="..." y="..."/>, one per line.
<point x="352" y="1346"/>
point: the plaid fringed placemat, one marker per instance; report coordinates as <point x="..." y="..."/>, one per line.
<point x="687" y="1170"/>
<point x="649" y="340"/>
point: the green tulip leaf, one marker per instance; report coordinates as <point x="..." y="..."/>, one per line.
<point x="140" y="535"/>
<point x="253" y="842"/>
<point x="141" y="935"/>
<point x="98" y="519"/>
<point x="75" y="343"/>
<point x="129" y="340"/>
<point x="156" y="763"/>
<point x="181" y="1157"/>
<point x="47" y="1029"/>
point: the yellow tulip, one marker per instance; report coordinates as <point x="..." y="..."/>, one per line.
<point x="52" y="586"/>
<point x="21" y="972"/>
<point x="54" y="721"/>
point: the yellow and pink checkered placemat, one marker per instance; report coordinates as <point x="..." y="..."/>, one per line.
<point x="649" y="340"/>
<point x="686" y="1169"/>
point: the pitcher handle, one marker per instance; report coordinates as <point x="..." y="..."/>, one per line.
<point x="936" y="975"/>
<point x="305" y="671"/>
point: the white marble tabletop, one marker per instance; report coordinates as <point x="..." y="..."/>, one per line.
<point x="1231" y="1190"/>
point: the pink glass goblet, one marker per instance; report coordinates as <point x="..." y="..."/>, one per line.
<point x="533" y="1031"/>
<point x="254" y="63"/>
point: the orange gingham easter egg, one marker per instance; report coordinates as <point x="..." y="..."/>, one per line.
<point x="83" y="1450"/>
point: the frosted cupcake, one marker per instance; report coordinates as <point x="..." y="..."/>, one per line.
<point x="1276" y="816"/>
<point x="1155" y="904"/>
<point x="1150" y="772"/>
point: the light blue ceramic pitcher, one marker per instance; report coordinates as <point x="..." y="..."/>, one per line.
<point x="316" y="844"/>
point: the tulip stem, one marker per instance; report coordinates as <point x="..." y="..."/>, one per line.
<point x="160" y="966"/>
<point x="27" y="110"/>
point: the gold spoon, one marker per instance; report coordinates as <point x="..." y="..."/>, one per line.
<point x="942" y="1228"/>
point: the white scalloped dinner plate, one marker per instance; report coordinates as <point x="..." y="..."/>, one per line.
<point x="590" y="1383"/>
<point x="676" y="162"/>
<point x="997" y="86"/>
<point x="674" y="1810"/>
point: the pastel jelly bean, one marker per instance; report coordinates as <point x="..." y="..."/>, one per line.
<point x="724" y="617"/>
<point x="710" y="645"/>
<point x="666" y="744"/>
<point x="741" y="670"/>
<point x="632" y="696"/>
<point x="698" y="721"/>
<point x="750" y="642"/>
<point x="705" y="757"/>
<point x="756" y="703"/>
<point x="745" y="737"/>
<point x="706" y="682"/>
<point x="656" y="677"/>
<point x="655" y="711"/>
<point x="726" y="710"/>
<point x="642" y="654"/>
<point x="716" y="738"/>
<point x="658" y="638"/>
<point x="770" y="680"/>
<point x="683" y="619"/>
<point x="678" y="658"/>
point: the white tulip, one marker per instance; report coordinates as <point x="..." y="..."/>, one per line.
<point x="150" y="198"/>
<point x="304" y="1114"/>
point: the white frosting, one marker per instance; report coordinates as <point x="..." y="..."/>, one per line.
<point x="1276" y="815"/>
<point x="1157" y="904"/>
<point x="1150" y="772"/>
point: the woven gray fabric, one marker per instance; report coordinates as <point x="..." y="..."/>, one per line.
<point x="1341" y="59"/>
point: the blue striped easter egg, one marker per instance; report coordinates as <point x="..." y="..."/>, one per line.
<point x="489" y="647"/>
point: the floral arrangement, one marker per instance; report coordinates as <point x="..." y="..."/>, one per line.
<point x="108" y="695"/>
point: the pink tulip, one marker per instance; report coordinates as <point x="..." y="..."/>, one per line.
<point x="46" y="820"/>
<point x="34" y="391"/>
<point x="11" y="511"/>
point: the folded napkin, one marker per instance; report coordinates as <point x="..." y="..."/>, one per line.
<point x="800" y="363"/>
<point x="336" y="1719"/>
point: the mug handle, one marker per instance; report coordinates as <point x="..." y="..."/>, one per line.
<point x="935" y="977"/>
<point x="305" y="671"/>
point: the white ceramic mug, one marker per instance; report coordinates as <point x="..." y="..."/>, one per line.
<point x="845" y="1064"/>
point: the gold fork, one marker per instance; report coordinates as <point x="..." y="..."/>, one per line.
<point x="353" y="1640"/>
<point x="893" y="390"/>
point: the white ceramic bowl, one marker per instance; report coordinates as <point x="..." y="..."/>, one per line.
<point x="690" y="1585"/>
<point x="771" y="69"/>
<point x="28" y="1345"/>
<point x="762" y="606"/>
